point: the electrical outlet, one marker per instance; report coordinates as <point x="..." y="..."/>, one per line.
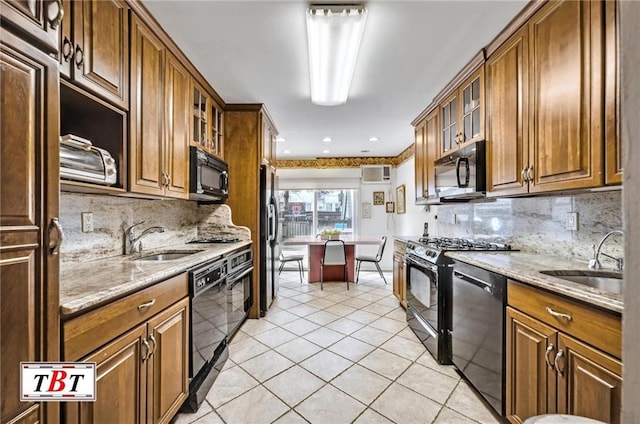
<point x="87" y="222"/>
<point x="571" y="222"/>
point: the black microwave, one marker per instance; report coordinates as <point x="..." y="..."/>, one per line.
<point x="208" y="177"/>
<point x="461" y="175"/>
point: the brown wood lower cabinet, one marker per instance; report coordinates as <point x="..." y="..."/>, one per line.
<point x="550" y="371"/>
<point x="399" y="272"/>
<point x="142" y="375"/>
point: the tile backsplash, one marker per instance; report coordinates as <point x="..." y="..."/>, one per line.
<point x="537" y="224"/>
<point x="183" y="221"/>
<point x="112" y="215"/>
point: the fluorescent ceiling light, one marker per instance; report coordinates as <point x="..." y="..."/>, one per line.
<point x="334" y="33"/>
<point x="327" y="139"/>
<point x="325" y="151"/>
<point x="373" y="139"/>
<point x="280" y="139"/>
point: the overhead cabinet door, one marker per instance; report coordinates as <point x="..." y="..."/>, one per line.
<point x="566" y="41"/>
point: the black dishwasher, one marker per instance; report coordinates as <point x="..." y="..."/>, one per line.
<point x="478" y="330"/>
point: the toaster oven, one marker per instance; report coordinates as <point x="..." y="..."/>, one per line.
<point x="81" y="161"/>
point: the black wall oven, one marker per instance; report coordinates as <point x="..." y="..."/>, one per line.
<point x="208" y="331"/>
<point x="428" y="287"/>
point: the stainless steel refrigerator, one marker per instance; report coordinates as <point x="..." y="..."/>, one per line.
<point x="268" y="238"/>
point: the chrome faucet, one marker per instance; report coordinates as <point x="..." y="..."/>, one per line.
<point x="595" y="262"/>
<point x="133" y="243"/>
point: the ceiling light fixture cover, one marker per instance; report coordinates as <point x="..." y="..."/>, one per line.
<point x="326" y="139"/>
<point x="334" y="33"/>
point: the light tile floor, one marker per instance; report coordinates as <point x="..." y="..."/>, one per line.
<point x="335" y="356"/>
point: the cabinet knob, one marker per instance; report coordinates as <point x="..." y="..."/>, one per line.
<point x="57" y="19"/>
<point x="530" y="174"/>
<point x="148" y="353"/>
<point x="547" y="355"/>
<point x="560" y="366"/>
<point x="523" y="175"/>
<point x="57" y="227"/>
<point x="79" y="57"/>
<point x="67" y="49"/>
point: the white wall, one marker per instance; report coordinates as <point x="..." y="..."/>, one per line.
<point x="630" y="107"/>
<point x="412" y="222"/>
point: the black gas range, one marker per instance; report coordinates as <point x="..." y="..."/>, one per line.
<point x="429" y="289"/>
<point x="433" y="249"/>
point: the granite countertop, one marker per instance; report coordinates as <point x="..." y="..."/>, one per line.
<point x="88" y="284"/>
<point x="525" y="267"/>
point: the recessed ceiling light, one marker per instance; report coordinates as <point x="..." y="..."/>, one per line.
<point x="327" y="139"/>
<point x="286" y="152"/>
<point x="325" y="151"/>
<point x="280" y="139"/>
<point x="374" y="139"/>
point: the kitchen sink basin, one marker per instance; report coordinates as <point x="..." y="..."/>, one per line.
<point x="607" y="281"/>
<point x="166" y="256"/>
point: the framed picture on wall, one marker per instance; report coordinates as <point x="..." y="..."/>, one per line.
<point x="400" y="199"/>
<point x="390" y="207"/>
<point x="378" y="197"/>
<point x="366" y="210"/>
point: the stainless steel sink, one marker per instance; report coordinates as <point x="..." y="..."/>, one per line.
<point x="166" y="256"/>
<point x="607" y="281"/>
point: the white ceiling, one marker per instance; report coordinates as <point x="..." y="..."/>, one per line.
<point x="256" y="52"/>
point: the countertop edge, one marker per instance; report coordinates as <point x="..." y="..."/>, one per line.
<point x="132" y="276"/>
<point x="532" y="277"/>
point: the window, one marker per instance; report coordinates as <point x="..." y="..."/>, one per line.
<point x="308" y="212"/>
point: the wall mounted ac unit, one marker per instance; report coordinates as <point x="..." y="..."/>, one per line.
<point x="376" y="174"/>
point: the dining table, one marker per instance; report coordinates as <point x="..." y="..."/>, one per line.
<point x="316" y="252"/>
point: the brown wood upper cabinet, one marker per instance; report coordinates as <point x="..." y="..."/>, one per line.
<point x="507" y="72"/>
<point x="37" y="20"/>
<point x="94" y="48"/>
<point x="462" y="114"/>
<point x="427" y="132"/>
<point x="160" y="92"/>
<point x="207" y="131"/>
<point x="545" y="102"/>
<point x="613" y="139"/>
<point x="30" y="234"/>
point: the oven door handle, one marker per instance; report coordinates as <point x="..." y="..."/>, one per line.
<point x="432" y="268"/>
<point x="425" y="324"/>
<point x="475" y="281"/>
<point x="235" y="279"/>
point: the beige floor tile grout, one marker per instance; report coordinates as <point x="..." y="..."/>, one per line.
<point x="368" y="284"/>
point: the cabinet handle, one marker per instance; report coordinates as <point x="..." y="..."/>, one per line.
<point x="146" y="356"/>
<point x="55" y="225"/>
<point x="67" y="49"/>
<point x="168" y="179"/>
<point x="547" y="358"/>
<point x="55" y="22"/>
<point x="146" y="305"/>
<point x="530" y="173"/>
<point x="523" y="175"/>
<point x="155" y="344"/>
<point x="558" y="314"/>
<point x="556" y="361"/>
<point x="79" y="57"/>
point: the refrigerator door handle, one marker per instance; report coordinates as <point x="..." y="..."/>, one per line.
<point x="270" y="216"/>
